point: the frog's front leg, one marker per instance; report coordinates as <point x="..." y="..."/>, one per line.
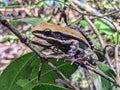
<point x="74" y="46"/>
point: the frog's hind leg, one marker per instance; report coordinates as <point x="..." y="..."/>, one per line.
<point x="74" y="46"/>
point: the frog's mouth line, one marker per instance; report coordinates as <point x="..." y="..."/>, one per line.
<point x="45" y="35"/>
<point x="46" y="32"/>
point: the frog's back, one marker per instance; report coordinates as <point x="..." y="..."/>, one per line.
<point x="86" y="36"/>
<point x="56" y="28"/>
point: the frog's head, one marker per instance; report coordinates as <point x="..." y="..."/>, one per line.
<point x="39" y="33"/>
<point x="45" y="29"/>
<point x="47" y="35"/>
<point x="41" y="30"/>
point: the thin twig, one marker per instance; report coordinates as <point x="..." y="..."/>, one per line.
<point x="74" y="6"/>
<point x="100" y="73"/>
<point x="106" y="14"/>
<point x="67" y="81"/>
<point x="39" y="71"/>
<point x="96" y="31"/>
<point x="76" y="20"/>
<point x="117" y="64"/>
<point x="100" y="39"/>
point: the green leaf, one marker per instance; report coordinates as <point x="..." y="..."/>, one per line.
<point x="48" y="87"/>
<point x="116" y="88"/>
<point x="106" y="31"/>
<point x="84" y="23"/>
<point x="40" y="4"/>
<point x="46" y="18"/>
<point x="94" y="41"/>
<point x="13" y="37"/>
<point x="108" y="6"/>
<point x="33" y="21"/>
<point x="115" y="37"/>
<point x="96" y="80"/>
<point x="107" y="70"/>
<point x="101" y="24"/>
<point x="22" y="73"/>
<point x="62" y="3"/>
<point x="105" y="84"/>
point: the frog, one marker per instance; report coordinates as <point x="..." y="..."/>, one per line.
<point x="71" y="42"/>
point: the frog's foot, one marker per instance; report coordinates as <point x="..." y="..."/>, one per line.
<point x="83" y="59"/>
<point x="77" y="60"/>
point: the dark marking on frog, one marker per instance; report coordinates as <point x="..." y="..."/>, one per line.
<point x="83" y="33"/>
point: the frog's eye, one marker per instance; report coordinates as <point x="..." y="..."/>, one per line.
<point x="47" y="32"/>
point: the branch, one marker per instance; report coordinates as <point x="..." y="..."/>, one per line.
<point x="96" y="31"/>
<point x="101" y="74"/>
<point x="67" y="81"/>
<point x="117" y="63"/>
<point x="89" y="67"/>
